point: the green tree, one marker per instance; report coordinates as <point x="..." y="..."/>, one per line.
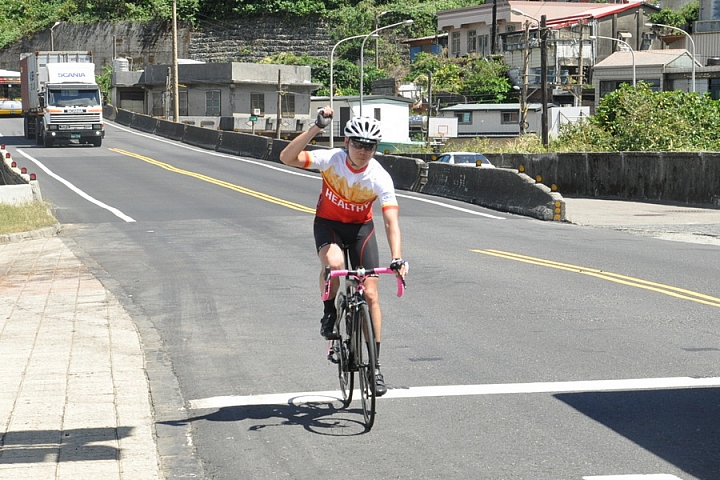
<point x="477" y="78"/>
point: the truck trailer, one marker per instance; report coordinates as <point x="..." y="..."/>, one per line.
<point x="61" y="100"/>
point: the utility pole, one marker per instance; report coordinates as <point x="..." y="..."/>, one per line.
<point x="429" y="110"/>
<point x="279" y="106"/>
<point x="543" y="80"/>
<point x="524" y="99"/>
<point x="176" y="92"/>
<point x="579" y="96"/>
<point x="493" y="29"/>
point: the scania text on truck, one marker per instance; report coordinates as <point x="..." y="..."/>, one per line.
<point x="61" y="100"/>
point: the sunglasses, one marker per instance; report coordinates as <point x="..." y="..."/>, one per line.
<point x="363" y="146"/>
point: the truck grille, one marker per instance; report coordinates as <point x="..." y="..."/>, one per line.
<point x="73" y="118"/>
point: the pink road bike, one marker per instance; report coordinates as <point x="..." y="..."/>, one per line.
<point x="354" y="350"/>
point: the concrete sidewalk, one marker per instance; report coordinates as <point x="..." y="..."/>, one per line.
<point x="74" y="401"/>
<point x="668" y="222"/>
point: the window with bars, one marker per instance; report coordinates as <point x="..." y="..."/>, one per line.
<point x="472" y="41"/>
<point x="212" y="103"/>
<point x="257" y="101"/>
<point x="455" y="43"/>
<point x="288" y="105"/>
<point x="484" y="45"/>
<point x="510" y="117"/>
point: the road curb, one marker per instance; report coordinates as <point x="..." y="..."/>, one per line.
<point x="31" y="235"/>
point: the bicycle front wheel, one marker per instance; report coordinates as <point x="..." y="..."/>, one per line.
<point x="342" y="350"/>
<point x="366" y="359"/>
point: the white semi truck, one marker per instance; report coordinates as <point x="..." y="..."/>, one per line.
<point x="61" y="100"/>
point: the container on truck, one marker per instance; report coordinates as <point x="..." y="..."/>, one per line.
<point x="61" y="100"/>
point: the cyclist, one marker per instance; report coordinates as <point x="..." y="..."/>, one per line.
<point x="352" y="181"/>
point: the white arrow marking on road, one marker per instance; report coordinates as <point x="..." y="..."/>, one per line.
<point x="299" y="398"/>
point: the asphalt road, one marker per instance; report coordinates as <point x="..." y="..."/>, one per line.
<point x="522" y="349"/>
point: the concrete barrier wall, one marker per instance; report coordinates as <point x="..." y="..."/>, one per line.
<point x="501" y="189"/>
<point x="144" y="123"/>
<point x="201" y="137"/>
<point x="109" y="112"/>
<point x="16" y="188"/>
<point x="407" y="173"/>
<point x="171" y="130"/>
<point x="9" y="175"/>
<point x="243" y="144"/>
<point x="124" y="117"/>
<point x="682" y="177"/>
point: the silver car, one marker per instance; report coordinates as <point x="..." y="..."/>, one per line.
<point x="465" y="158"/>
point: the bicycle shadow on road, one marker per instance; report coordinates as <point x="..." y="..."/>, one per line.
<point x="318" y="418"/>
<point x="681" y="426"/>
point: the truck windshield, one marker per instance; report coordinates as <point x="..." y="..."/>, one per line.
<point x="73" y="98"/>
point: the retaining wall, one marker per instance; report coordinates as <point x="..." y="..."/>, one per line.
<point x="680" y="177"/>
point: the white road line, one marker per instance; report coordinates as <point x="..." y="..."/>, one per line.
<point x="657" y="476"/>
<point x="299" y="398"/>
<point x="451" y="207"/>
<point x="72" y="187"/>
<point x="297" y="172"/>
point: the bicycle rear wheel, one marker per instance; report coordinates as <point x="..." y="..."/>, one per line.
<point x="366" y="356"/>
<point x="342" y="351"/>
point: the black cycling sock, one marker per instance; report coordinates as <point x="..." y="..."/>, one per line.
<point x="330" y="306"/>
<point x="377" y="353"/>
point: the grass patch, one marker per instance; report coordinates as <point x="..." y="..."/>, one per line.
<point x="25" y="217"/>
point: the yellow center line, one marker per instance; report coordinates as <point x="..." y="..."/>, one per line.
<point x="613" y="277"/>
<point x="215" y="181"/>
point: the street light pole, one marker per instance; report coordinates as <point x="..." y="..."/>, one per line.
<point x="52" y="36"/>
<point x="362" y="56"/>
<point x="632" y="52"/>
<point x="377" y="42"/>
<point x="692" y="44"/>
<point x="176" y="90"/>
<point x="332" y="87"/>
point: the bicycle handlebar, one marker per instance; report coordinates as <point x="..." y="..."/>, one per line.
<point x="361" y="272"/>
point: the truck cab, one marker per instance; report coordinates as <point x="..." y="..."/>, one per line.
<point x="64" y="101"/>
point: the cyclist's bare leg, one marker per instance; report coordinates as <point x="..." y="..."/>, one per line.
<point x="371" y="296"/>
<point x="332" y="255"/>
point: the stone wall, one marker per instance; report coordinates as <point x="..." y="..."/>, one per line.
<point x="253" y="40"/>
<point x="247" y="40"/>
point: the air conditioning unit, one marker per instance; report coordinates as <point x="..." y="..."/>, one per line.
<point x="256" y="111"/>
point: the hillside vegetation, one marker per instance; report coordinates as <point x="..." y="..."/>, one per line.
<point x="346" y="18"/>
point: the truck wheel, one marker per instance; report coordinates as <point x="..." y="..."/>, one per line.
<point x="39" y="129"/>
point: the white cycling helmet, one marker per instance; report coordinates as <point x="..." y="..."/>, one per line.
<point x="363" y="129"/>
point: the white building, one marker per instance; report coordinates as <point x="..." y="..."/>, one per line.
<point x="392" y="112"/>
<point x="500" y="120"/>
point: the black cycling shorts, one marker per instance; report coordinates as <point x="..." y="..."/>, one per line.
<point x="360" y="237"/>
